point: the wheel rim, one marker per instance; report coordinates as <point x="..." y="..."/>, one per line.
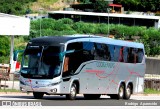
<point x="73" y="91"/>
<point x="121" y="92"/>
<point x="128" y="90"/>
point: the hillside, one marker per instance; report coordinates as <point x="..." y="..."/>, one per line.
<point x="49" y="5"/>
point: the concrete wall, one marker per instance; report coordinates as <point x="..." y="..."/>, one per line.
<point x="152" y="66"/>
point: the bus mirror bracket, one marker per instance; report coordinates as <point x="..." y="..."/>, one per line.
<point x="15" y="56"/>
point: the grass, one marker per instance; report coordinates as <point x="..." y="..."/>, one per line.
<point x="53" y="1"/>
<point x="9" y="90"/>
<point x="151" y="91"/>
<point x="48" y="2"/>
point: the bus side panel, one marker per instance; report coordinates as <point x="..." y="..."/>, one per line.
<point x="139" y="85"/>
<point x="139" y="73"/>
<point x="64" y="89"/>
<point x="105" y="77"/>
<point x="95" y="78"/>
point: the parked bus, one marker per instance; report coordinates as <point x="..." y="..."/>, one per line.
<point x="82" y="64"/>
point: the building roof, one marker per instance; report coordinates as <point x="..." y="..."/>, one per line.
<point x="115" y="5"/>
<point x="9" y="15"/>
<point x="105" y="14"/>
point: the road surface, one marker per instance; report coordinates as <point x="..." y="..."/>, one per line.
<point x="55" y="100"/>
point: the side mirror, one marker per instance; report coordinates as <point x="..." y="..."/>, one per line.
<point x="15" y="54"/>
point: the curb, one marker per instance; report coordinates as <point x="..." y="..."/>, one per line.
<point x="145" y="94"/>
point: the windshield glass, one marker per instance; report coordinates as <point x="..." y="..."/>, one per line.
<point x="41" y="62"/>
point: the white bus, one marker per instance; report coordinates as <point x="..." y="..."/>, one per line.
<point x="82" y="64"/>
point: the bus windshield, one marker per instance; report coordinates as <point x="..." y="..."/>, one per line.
<point x="41" y="62"/>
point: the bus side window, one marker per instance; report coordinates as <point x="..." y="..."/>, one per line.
<point x="111" y="50"/>
<point x="97" y="51"/>
<point x="132" y="55"/>
<point x="75" y="58"/>
<point x="121" y="55"/>
<point x="107" y="55"/>
<point x="125" y="54"/>
<point x="66" y="67"/>
<point x="87" y="51"/>
<point x="116" y="53"/>
<point x="140" y="55"/>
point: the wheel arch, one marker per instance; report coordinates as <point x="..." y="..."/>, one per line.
<point x="76" y="81"/>
<point x="123" y="83"/>
<point x="131" y="84"/>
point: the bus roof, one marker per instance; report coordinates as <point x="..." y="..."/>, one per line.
<point x="58" y="40"/>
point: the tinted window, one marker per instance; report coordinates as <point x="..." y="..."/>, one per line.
<point x="75" y="59"/>
<point x="117" y="55"/>
<point x="140" y="55"/>
<point x="125" y="54"/>
<point x="86" y="51"/>
<point x="88" y="48"/>
<point x="111" y="50"/>
<point x="106" y="52"/>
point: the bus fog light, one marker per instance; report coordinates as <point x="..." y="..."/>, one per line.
<point x="53" y="90"/>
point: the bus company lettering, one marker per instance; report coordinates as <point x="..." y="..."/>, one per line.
<point x="105" y="64"/>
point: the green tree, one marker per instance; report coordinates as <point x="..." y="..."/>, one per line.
<point x="140" y="5"/>
<point x="4" y="48"/>
<point x="16" y="7"/>
<point x="85" y="1"/>
<point x="101" y="6"/>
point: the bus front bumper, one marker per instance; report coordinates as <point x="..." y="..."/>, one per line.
<point x="47" y="89"/>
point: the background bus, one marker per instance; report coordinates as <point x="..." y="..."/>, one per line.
<point x="82" y="64"/>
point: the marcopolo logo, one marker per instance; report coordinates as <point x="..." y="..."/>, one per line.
<point x="105" y="64"/>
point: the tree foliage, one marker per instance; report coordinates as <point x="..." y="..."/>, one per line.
<point x="4" y="49"/>
<point x="16" y="7"/>
<point x="50" y="27"/>
<point x="150" y="37"/>
<point x="140" y="5"/>
<point x="101" y="6"/>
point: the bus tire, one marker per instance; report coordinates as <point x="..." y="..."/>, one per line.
<point x="128" y="92"/>
<point x="73" y="92"/>
<point x="121" y="92"/>
<point x="38" y="95"/>
<point x="92" y="96"/>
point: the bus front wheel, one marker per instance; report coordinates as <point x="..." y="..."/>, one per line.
<point x="38" y="95"/>
<point x="73" y="92"/>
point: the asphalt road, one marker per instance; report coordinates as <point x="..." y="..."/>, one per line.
<point x="52" y="100"/>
